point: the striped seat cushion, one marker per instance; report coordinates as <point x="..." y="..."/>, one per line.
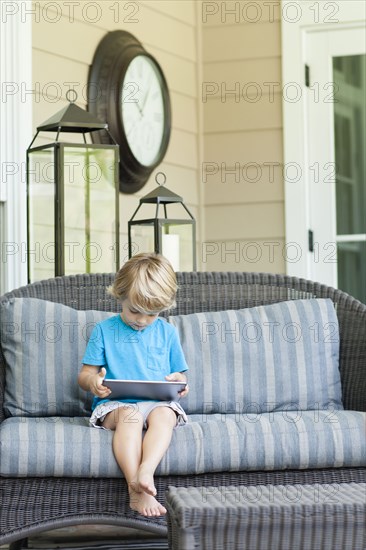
<point x="270" y="441"/>
<point x="283" y="356"/>
<point x="43" y="344"/>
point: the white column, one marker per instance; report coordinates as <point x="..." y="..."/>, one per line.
<point x="15" y="136"/>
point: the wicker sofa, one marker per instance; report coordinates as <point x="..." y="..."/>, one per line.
<point x="30" y="505"/>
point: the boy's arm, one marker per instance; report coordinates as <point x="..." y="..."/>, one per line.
<point x="91" y="379"/>
<point x="178" y="377"/>
<point x="92" y="375"/>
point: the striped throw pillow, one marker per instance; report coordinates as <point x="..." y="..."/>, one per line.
<point x="282" y="356"/>
<point x="43" y="344"/>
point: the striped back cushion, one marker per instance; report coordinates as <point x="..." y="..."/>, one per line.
<point x="43" y="344"/>
<point x="283" y="356"/>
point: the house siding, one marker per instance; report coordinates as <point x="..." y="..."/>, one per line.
<point x="242" y="170"/>
<point x="225" y="154"/>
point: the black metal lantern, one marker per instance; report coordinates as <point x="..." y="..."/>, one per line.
<point x="175" y="237"/>
<point x="72" y="199"/>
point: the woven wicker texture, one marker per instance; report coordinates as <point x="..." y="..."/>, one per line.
<point x="276" y="517"/>
<point x="29" y="506"/>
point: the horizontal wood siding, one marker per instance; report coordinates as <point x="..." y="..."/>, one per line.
<point x="242" y="169"/>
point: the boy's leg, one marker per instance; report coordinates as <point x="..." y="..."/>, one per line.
<point x="127" y="425"/>
<point x="127" y="440"/>
<point x="161" y="422"/>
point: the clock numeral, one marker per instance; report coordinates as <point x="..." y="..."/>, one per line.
<point x="130" y="96"/>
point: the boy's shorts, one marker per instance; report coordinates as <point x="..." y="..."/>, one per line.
<point x="144" y="407"/>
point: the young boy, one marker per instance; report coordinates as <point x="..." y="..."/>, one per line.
<point x="137" y="345"/>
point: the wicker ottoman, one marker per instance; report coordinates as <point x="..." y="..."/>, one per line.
<point x="268" y="517"/>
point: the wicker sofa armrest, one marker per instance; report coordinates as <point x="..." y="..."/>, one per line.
<point x="352" y="329"/>
<point x="2" y="385"/>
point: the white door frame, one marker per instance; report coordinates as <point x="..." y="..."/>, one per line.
<point x="15" y="135"/>
<point x="321" y="48"/>
<point x="299" y="18"/>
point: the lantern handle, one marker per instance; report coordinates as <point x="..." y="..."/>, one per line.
<point x="157" y="180"/>
<point x="70" y="91"/>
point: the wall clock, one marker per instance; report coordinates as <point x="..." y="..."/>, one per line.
<point x="128" y="90"/>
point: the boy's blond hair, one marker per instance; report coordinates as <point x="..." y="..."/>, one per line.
<point x="148" y="281"/>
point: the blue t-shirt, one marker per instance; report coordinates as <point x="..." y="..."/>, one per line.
<point x="128" y="354"/>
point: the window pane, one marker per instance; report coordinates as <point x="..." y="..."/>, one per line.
<point x="89" y="206"/>
<point x="352" y="269"/>
<point x="41" y="223"/>
<point x="349" y="73"/>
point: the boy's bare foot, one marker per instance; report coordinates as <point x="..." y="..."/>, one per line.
<point x="145" y="504"/>
<point x="145" y="481"/>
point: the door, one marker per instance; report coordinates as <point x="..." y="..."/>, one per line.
<point x="336" y="149"/>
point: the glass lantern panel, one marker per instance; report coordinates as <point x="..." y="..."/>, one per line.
<point x="89" y="209"/>
<point x="177" y="245"/>
<point x="142" y="238"/>
<point x="41" y="222"/>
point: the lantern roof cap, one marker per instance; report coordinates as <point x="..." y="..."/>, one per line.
<point x="161" y="195"/>
<point x="72" y="119"/>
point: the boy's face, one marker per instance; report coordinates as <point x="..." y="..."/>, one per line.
<point x="135" y="319"/>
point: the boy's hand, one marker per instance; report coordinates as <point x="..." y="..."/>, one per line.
<point x="96" y="384"/>
<point x="178" y="377"/>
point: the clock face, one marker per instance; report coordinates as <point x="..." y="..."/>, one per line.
<point x="142" y="109"/>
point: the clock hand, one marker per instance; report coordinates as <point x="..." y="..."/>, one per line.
<point x="139" y="108"/>
<point x="145" y="99"/>
<point x="146" y="95"/>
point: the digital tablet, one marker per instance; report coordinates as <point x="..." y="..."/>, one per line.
<point x="137" y="389"/>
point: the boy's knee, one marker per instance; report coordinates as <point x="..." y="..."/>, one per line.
<point x="163" y="414"/>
